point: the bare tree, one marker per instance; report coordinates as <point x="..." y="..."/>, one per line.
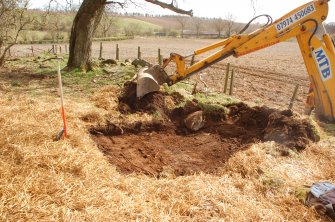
<point x="197" y="25"/>
<point x="330" y="27"/>
<point x="182" y="20"/>
<point x="230" y="22"/>
<point x="86" y="22"/>
<point x="66" y="5"/>
<point x="132" y="29"/>
<point x="13" y="19"/>
<point x="55" y="26"/>
<point x="69" y="4"/>
<point x="108" y="21"/>
<point x="219" y="25"/>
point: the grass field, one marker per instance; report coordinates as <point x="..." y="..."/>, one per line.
<point x="62" y="23"/>
<point x="73" y="180"/>
<point x="125" y="22"/>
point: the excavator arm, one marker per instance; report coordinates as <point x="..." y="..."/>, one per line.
<point x="304" y="23"/>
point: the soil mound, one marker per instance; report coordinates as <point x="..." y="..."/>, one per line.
<point x="159" y="147"/>
<point x="280" y="126"/>
<point x="283" y="127"/>
<point x="250" y="117"/>
<point x="151" y="103"/>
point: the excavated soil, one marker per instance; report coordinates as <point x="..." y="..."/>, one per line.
<point x="151" y="103"/>
<point x="157" y="147"/>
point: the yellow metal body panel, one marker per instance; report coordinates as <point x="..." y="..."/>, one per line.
<point x="320" y="63"/>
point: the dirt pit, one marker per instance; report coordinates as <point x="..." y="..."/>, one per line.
<point x="167" y="146"/>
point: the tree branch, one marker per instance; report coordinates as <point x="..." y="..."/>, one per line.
<point x="170" y="7"/>
<point x="121" y="4"/>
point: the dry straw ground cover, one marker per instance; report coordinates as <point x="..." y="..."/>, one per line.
<point x="71" y="180"/>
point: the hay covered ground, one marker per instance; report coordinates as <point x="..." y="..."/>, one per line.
<point x="71" y="180"/>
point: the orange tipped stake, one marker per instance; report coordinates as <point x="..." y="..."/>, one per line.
<point x="62" y="101"/>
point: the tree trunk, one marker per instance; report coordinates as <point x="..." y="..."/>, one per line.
<point x="3" y="55"/>
<point x="83" y="28"/>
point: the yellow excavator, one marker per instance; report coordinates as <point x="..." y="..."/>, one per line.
<point x="305" y="23"/>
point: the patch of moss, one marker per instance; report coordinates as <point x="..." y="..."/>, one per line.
<point x="301" y="193"/>
<point x="15" y="83"/>
<point x="272" y="182"/>
<point x="214" y="101"/>
<point x="180" y="87"/>
<point x="321" y="129"/>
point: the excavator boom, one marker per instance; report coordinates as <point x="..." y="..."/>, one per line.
<point x="304" y="23"/>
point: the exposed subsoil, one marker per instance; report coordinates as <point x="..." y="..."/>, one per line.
<point x="166" y="145"/>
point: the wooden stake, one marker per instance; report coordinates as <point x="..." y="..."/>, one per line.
<point x="62" y="101"/>
<point x="139" y="52"/>
<point x="194" y="88"/>
<point x="231" y="83"/>
<point x="117" y="56"/>
<point x="192" y="60"/>
<point x="100" y="54"/>
<point x="226" y="79"/>
<point x="293" y="96"/>
<point x="159" y="57"/>
<point x="32" y="50"/>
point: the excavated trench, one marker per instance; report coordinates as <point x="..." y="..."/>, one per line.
<point x="167" y="144"/>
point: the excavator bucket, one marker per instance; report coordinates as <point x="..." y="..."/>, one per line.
<point x="150" y="79"/>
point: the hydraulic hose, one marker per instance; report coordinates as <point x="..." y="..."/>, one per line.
<point x="314" y="31"/>
<point x="269" y="22"/>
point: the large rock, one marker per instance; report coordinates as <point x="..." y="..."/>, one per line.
<point x="140" y="62"/>
<point x="109" y="62"/>
<point x="195" y="121"/>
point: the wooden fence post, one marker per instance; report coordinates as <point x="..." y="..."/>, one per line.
<point x="100" y="54"/>
<point x="32" y="50"/>
<point x="139" y="52"/>
<point x="117" y="56"/>
<point x="231" y="83"/>
<point x="293" y="96"/>
<point x="192" y="60"/>
<point x="194" y="90"/>
<point x="60" y="49"/>
<point x="226" y="79"/>
<point x="159" y="57"/>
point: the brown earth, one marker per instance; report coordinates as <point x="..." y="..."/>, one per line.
<point x="166" y="146"/>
